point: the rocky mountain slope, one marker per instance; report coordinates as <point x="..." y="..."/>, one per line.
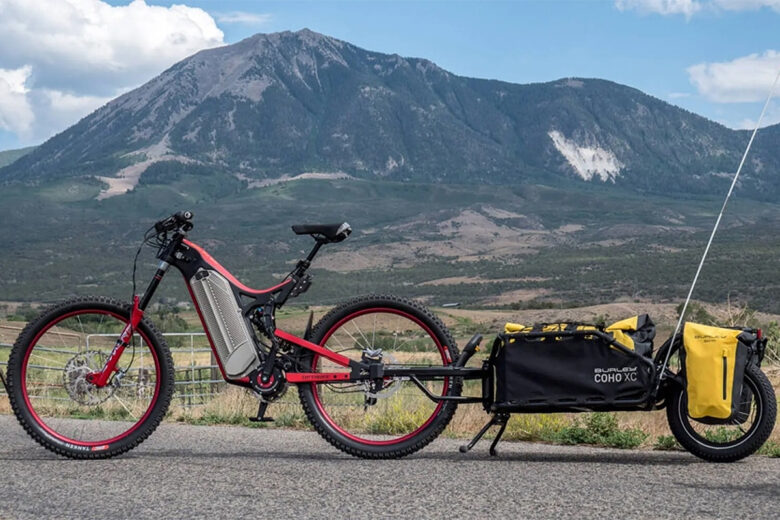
<point x="294" y="102"/>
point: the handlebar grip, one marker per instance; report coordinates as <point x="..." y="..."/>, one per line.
<point x="180" y="218"/>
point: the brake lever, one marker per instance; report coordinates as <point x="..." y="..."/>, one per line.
<point x="163" y="226"/>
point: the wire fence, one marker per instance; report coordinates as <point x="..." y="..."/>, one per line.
<point x="197" y="378"/>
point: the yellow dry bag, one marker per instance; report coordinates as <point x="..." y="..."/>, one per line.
<point x="714" y="362"/>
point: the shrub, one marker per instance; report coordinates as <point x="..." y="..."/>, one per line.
<point x="600" y="429"/>
<point x="667" y="443"/>
<point x="771" y="449"/>
<point x="25" y="312"/>
<point x="697" y="313"/>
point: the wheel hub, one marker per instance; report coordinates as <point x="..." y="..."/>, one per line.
<point x="382" y="388"/>
<point x="75" y="379"/>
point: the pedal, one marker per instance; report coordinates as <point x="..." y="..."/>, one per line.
<point x="261" y="419"/>
<point x="261" y="413"/>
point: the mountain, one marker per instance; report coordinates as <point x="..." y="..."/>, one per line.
<point x="9" y="156"/>
<point x="286" y="103"/>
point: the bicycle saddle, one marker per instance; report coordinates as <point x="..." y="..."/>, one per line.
<point x="324" y="232"/>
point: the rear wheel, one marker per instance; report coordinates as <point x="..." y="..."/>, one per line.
<point x="52" y="398"/>
<point x="395" y="419"/>
<point x="732" y="441"/>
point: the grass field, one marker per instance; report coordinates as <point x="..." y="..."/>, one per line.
<point x="230" y="405"/>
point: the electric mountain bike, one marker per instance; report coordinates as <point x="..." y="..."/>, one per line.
<point x="93" y="377"/>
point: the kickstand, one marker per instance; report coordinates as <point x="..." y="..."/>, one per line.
<point x="261" y="413"/>
<point x="500" y="419"/>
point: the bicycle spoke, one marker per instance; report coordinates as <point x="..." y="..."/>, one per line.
<point x="125" y="407"/>
<point x="369" y="345"/>
<point x="353" y="339"/>
<point x="373" y="333"/>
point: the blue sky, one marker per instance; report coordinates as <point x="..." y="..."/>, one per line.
<point x="713" y="57"/>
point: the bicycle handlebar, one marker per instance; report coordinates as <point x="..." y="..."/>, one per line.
<point x="180" y="219"/>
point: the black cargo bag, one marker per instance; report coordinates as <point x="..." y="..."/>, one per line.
<point x="564" y="366"/>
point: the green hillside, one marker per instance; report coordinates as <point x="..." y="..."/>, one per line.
<point x="9" y="156"/>
<point x="513" y="245"/>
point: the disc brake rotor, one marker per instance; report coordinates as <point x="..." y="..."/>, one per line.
<point x="75" y="378"/>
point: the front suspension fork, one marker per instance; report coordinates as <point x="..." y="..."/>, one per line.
<point x="102" y="377"/>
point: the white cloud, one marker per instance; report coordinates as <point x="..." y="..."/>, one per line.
<point x="664" y="7"/>
<point x="16" y="114"/>
<point x="688" y="8"/>
<point x="244" y="18"/>
<point x="772" y="117"/>
<point x="77" y="54"/>
<point x="747" y="5"/>
<point x="745" y="79"/>
<point x="56" y="110"/>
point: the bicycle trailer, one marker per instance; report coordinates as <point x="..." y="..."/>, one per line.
<point x="580" y="367"/>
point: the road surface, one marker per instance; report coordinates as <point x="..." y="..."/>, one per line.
<point x="225" y="472"/>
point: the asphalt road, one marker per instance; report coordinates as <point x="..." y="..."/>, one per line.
<point x="225" y="472"/>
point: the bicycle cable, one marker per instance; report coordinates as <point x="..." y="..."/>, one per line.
<point x="147" y="240"/>
<point x="715" y="230"/>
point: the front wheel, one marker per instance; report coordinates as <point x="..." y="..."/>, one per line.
<point x="396" y="419"/>
<point x="57" y="405"/>
<point x="732" y="441"/>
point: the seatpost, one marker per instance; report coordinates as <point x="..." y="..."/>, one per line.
<point x="304" y="264"/>
<point x="314" y="250"/>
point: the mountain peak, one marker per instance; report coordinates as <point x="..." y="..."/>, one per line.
<point x="304" y="37"/>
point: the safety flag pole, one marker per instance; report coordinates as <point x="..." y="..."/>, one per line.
<point x="715" y="229"/>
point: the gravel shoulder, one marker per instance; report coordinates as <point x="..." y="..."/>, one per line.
<point x="225" y="472"/>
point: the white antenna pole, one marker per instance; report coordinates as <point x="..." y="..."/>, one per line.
<point x="715" y="229"/>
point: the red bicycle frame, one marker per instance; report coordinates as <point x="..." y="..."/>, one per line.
<point x="211" y="286"/>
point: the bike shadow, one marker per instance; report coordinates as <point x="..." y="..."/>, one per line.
<point x="526" y="455"/>
<point x="454" y="457"/>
